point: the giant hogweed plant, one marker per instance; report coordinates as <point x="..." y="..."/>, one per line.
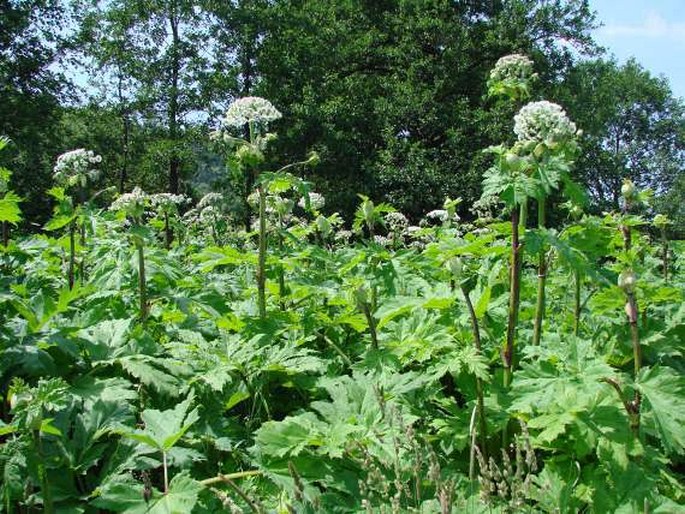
<point x="336" y="402"/>
<point x="253" y="115"/>
<point x="73" y="173"/>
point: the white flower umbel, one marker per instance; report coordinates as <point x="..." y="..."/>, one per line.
<point x="543" y="122"/>
<point x="397" y="222"/>
<point x="209" y="214"/>
<point x="382" y="240"/>
<point x="164" y="202"/>
<point x="343" y="236"/>
<point x="133" y="203"/>
<point x="316" y="201"/>
<point x="512" y="67"/>
<point x="251" y="109"/>
<point x="76" y="167"/>
<point x="209" y="199"/>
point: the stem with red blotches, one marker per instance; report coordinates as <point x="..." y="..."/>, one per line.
<point x="514" y="297"/>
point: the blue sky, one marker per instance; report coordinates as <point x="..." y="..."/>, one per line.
<point x="652" y="31"/>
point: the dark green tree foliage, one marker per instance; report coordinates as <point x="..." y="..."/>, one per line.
<point x="30" y="94"/>
<point x="634" y="128"/>
<point x="157" y="54"/>
<point x="392" y="93"/>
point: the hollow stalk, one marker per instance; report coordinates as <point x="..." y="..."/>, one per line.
<point x="577" y="305"/>
<point x="261" y="267"/>
<point x="514" y="296"/>
<point x="72" y="253"/>
<point x="664" y="252"/>
<point x="482" y="422"/>
<point x="142" y="288"/>
<point x="542" y="272"/>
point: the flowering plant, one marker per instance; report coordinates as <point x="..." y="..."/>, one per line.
<point x="76" y="167"/>
<point x="251" y="109"/>
<point x="511" y="77"/>
<point x="512" y="67"/>
<point x="544" y="122"/>
<point x="167" y="202"/>
<point x="316" y="201"/>
<point x="133" y="203"/>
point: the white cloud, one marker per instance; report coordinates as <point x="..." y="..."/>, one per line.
<point x="654" y="26"/>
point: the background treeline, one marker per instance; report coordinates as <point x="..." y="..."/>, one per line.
<point x="390" y="93"/>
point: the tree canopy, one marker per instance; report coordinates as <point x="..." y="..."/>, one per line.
<point x="391" y="94"/>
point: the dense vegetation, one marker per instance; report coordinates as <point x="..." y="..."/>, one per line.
<point x="391" y="94"/>
<point x="269" y="348"/>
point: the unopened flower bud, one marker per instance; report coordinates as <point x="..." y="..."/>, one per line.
<point x="627" y="281"/>
<point x="313" y="159"/>
<point x="361" y="295"/>
<point x="511" y="159"/>
<point x="250" y="155"/>
<point x="455" y="266"/>
<point x="19" y="399"/>
<point x="628" y="189"/>
<point x="576" y="211"/>
<point x="323" y="225"/>
<point x="661" y="221"/>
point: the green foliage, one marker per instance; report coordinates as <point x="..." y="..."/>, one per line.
<point x="105" y="409"/>
<point x="664" y="390"/>
<point x="304" y="368"/>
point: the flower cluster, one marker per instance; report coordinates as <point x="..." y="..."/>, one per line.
<point x="382" y="241"/>
<point x="133" y="203"/>
<point x="209" y="199"/>
<point x="512" y="67"/>
<point x="166" y="202"/>
<point x="316" y="201"/>
<point x="76" y="167"/>
<point x="396" y="221"/>
<point x="206" y="210"/>
<point x="251" y="109"/>
<point x="417" y="237"/>
<point x="439" y="216"/>
<point x="543" y="122"/>
<point x="343" y="236"/>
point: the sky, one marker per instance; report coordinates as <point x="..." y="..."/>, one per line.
<point x="652" y="31"/>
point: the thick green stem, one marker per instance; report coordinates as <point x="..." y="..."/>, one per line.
<point x="142" y="288"/>
<point x="634" y="334"/>
<point x="230" y="476"/>
<point x="45" y="484"/>
<point x="632" y="408"/>
<point x="479" y="383"/>
<point x="514" y="295"/>
<point x="339" y="351"/>
<point x="166" y="473"/>
<point x="372" y="324"/>
<point x="542" y="277"/>
<point x="523" y="217"/>
<point x="281" y="270"/>
<point x="82" y="262"/>
<point x="577" y="305"/>
<point x="168" y="233"/>
<point x="72" y="254"/>
<point x="261" y="267"/>
<point x="664" y="255"/>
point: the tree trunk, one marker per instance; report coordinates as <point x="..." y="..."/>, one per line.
<point x="174" y="161"/>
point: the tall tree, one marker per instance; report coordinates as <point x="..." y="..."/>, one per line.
<point x="240" y="27"/>
<point x="157" y="52"/>
<point x="30" y="93"/>
<point x="634" y="128"/>
<point x="391" y="93"/>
